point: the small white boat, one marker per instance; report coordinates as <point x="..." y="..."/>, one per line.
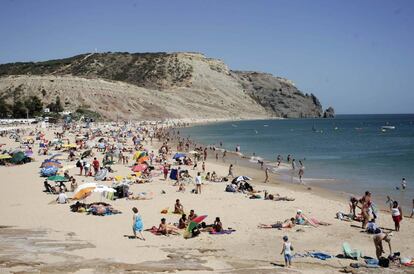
<point x="387" y="127"/>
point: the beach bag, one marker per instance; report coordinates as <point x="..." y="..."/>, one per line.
<point x="229" y="188"/>
<point x="384" y="262"/>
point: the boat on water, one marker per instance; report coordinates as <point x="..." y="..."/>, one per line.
<point x="387" y="127"/>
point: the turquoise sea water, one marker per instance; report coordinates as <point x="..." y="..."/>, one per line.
<point x="351" y="149"/>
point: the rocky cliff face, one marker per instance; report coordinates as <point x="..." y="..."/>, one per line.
<point x="156" y="86"/>
<point x="279" y="96"/>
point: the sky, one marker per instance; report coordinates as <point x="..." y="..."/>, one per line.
<point x="357" y="56"/>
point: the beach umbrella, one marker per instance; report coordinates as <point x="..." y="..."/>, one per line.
<point x="86" y="153"/>
<point x="241" y="178"/>
<point x="58" y="178"/>
<point x="55" y="155"/>
<point x="194" y="222"/>
<point x="5" y="156"/>
<point x="83" y="191"/>
<point x="51" y="164"/>
<point x="101" y="174"/>
<point x="140" y="167"/>
<point x="143" y="159"/>
<point x="178" y="155"/>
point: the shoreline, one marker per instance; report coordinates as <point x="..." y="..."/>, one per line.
<point x="285" y="177"/>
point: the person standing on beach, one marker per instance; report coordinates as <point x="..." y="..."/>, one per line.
<point x="278" y="160"/>
<point x="203" y="166"/>
<point x="205" y="154"/>
<point x="137" y="225"/>
<point x="293" y="164"/>
<point x="287" y="249"/>
<point x="266" y="175"/>
<point x="198" y="183"/>
<point x="224" y="154"/>
<point x="288" y="158"/>
<point x="403" y="184"/>
<point x="231" y="171"/>
<point x="412" y="211"/>
<point x="95" y="165"/>
<point x="397" y="215"/>
<point x="217" y="156"/>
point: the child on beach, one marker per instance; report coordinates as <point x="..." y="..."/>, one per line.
<point x="397" y="215"/>
<point x="287" y="251"/>
<point x="137" y="225"/>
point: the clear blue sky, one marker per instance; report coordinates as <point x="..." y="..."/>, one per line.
<point x="357" y="56"/>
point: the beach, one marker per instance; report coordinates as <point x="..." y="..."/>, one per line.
<point x="37" y="234"/>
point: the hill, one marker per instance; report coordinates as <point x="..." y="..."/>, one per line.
<point x="156" y="86"/>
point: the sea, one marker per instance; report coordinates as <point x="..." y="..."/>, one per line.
<point x="348" y="153"/>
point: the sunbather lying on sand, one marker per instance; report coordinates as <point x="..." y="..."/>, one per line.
<point x="286" y="224"/>
<point x="301" y="219"/>
<point x="277" y="197"/>
<point x="166" y="229"/>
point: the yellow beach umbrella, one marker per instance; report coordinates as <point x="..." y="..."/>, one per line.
<point x="82" y="191"/>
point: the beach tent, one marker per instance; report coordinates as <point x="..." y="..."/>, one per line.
<point x="48" y="171"/>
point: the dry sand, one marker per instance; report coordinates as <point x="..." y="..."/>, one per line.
<point x="37" y="234"/>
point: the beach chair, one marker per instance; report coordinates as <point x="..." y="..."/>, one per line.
<point x="349" y="252"/>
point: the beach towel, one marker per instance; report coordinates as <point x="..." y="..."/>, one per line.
<point x="153" y="230"/>
<point x="349" y="252"/>
<point x="320" y="255"/>
<point x="223" y="232"/>
<point x="372" y="263"/>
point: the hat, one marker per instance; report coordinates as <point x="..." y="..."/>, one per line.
<point x="299" y="211"/>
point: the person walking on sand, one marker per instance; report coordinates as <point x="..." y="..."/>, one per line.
<point x="266" y="175"/>
<point x="231" y="171"/>
<point x="287" y="249"/>
<point x="224" y="155"/>
<point x="293" y="164"/>
<point x="301" y="171"/>
<point x="198" y="183"/>
<point x="397" y="215"/>
<point x="137" y="225"/>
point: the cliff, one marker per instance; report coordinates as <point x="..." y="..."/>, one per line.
<point x="156" y="86"/>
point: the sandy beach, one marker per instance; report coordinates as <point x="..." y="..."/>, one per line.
<point x="39" y="235"/>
